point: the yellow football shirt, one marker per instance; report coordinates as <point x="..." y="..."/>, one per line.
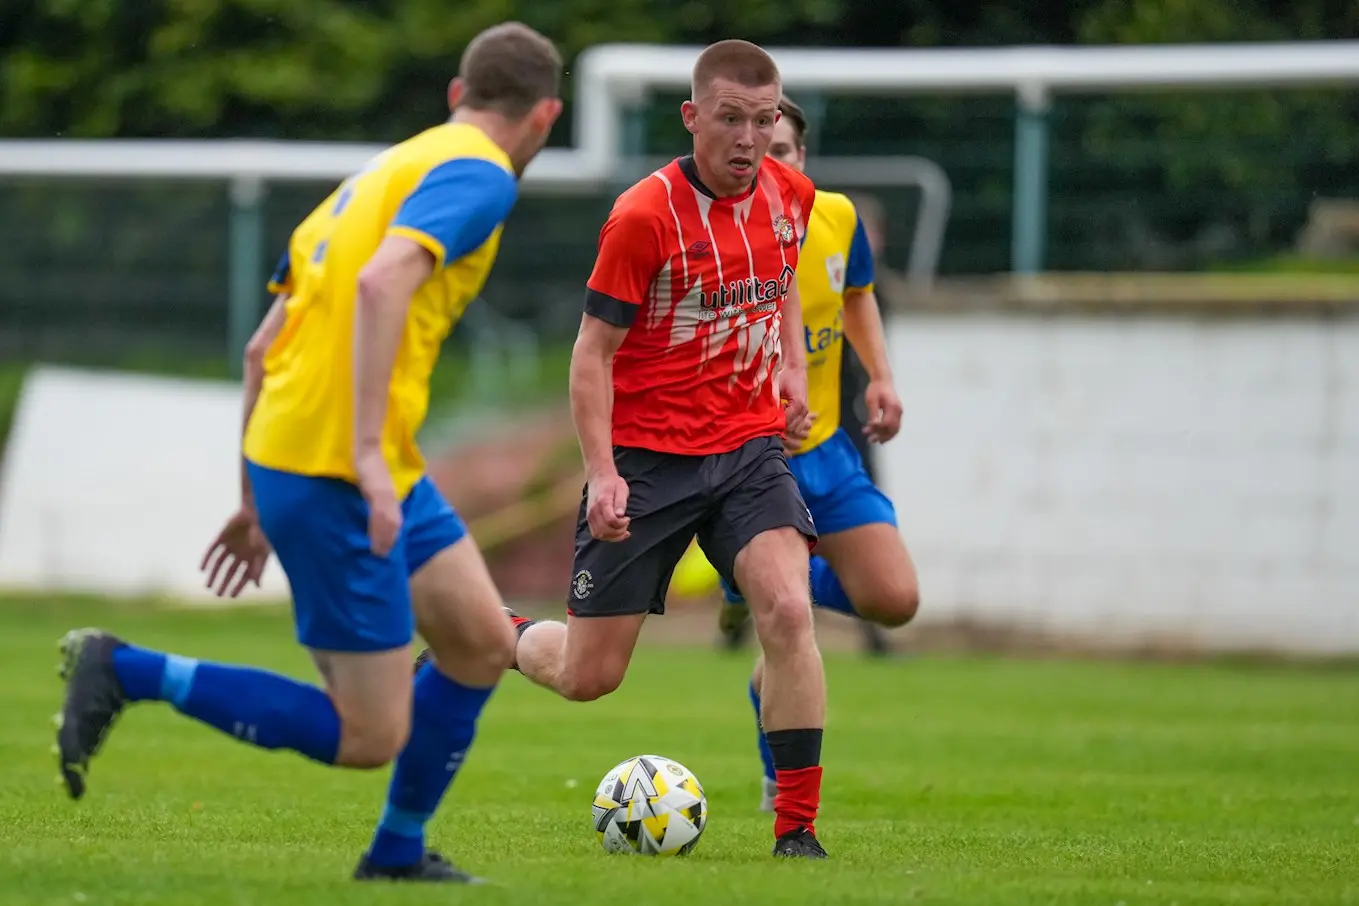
<point x="449" y="189"/>
<point x="835" y="258"/>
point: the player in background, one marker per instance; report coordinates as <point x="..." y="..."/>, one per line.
<point x="692" y="336"/>
<point x="337" y="386"/>
<point x="862" y="567"/>
<point x="734" y="621"/>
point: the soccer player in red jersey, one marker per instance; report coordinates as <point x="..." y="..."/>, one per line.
<point x="688" y="370"/>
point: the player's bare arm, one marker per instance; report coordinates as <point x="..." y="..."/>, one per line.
<point x="386" y="284"/>
<point x="253" y="373"/>
<point x="592" y="411"/>
<point x="239" y="553"/>
<point x="863" y="330"/>
<point x="629" y="258"/>
<point x="793" y="371"/>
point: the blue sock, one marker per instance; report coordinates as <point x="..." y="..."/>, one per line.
<point x="827" y="591"/>
<point x="255" y="706"/>
<point x="765" y="755"/>
<point x="729" y="593"/>
<point x="443" y="724"/>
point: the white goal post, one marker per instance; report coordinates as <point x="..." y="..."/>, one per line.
<point x="612" y="78"/>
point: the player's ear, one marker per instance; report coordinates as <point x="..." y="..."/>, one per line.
<point x="455" y="93"/>
<point x="689" y="114"/>
<point x="545" y="113"/>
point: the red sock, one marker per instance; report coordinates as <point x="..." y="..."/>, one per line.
<point x="520" y="624"/>
<point x="797" y="799"/>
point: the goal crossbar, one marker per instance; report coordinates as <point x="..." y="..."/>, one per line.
<point x="610" y="77"/>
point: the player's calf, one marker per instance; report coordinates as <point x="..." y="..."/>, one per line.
<point x="366" y="750"/>
<point x="793" y="688"/>
<point x="581" y="660"/>
<point x="371" y="693"/>
<point x="771" y="571"/>
<point x="544" y="657"/>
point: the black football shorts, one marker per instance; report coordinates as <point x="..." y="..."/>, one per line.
<point x="726" y="499"/>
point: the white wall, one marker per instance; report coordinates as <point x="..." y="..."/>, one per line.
<point x="1128" y="478"/>
<point x="116" y="484"/>
<point x="1118" y="478"/>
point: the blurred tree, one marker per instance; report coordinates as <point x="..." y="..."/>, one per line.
<point x="332" y="69"/>
<point x="1212" y="159"/>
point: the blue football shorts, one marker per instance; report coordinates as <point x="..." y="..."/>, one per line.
<point x="345" y="597"/>
<point x="837" y="489"/>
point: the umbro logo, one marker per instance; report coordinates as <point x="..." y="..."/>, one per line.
<point x="700" y="249"/>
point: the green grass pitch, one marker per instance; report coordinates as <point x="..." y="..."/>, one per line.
<point x="948" y="780"/>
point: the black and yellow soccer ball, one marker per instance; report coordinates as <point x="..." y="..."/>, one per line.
<point x="650" y="806"/>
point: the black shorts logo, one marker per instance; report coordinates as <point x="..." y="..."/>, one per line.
<point x="582" y="585"/>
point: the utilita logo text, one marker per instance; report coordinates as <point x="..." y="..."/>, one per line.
<point x="751" y="295"/>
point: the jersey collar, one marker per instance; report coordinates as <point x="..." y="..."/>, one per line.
<point x="690" y="171"/>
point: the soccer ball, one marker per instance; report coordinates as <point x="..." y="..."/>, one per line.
<point x="650" y="806"/>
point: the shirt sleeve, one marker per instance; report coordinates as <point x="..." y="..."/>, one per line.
<point x="456" y="208"/>
<point x="282" y="279"/>
<point x="859" y="270"/>
<point x="629" y="258"/>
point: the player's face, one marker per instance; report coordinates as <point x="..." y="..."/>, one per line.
<point x="732" y="127"/>
<point x="784" y="147"/>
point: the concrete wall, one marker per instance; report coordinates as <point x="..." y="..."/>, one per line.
<point x="1118" y="479"/>
<point x="116" y="484"/>
<point x="1133" y="478"/>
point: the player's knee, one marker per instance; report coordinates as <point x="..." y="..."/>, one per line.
<point x="497" y="655"/>
<point x="893" y="605"/>
<point x="478" y="658"/>
<point x="589" y="685"/>
<point x="372" y="746"/>
<point x="787" y="624"/>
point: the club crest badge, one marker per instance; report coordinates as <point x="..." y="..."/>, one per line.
<point x="783" y="230"/>
<point x="835" y="271"/>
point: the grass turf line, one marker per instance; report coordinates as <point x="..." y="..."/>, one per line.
<point x="948" y="780"/>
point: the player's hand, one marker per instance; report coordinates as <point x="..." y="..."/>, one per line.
<point x="793" y="392"/>
<point x="384" y="513"/>
<point x="237" y="555"/>
<point x="606" y="508"/>
<point x="795" y="431"/>
<point x="884" y="412"/>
